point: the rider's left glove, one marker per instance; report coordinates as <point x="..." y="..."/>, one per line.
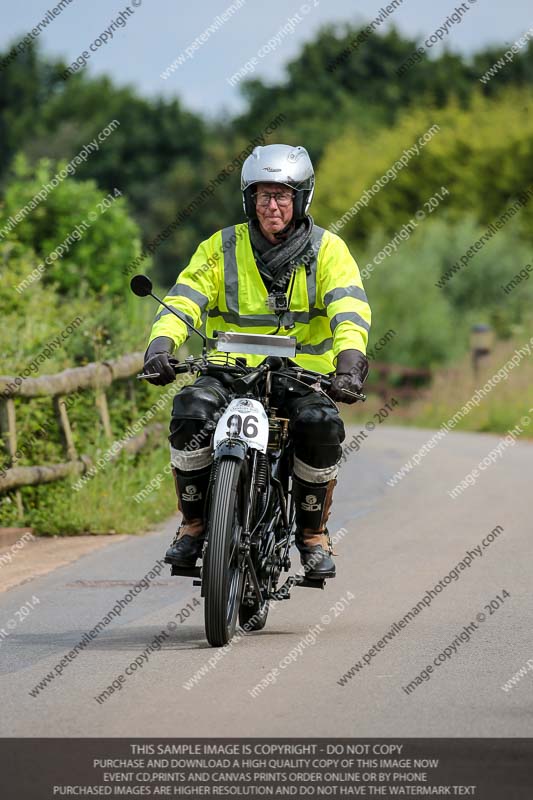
<point x="350" y="374"/>
<point x="156" y="360"/>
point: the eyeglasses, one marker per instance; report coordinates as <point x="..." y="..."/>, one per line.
<point x="283" y="199"/>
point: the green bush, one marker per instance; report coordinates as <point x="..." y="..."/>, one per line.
<point x="98" y="241"/>
<point x="432" y="325"/>
<point x="85" y="288"/>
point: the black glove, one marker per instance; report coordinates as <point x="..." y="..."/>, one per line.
<point x="156" y="361"/>
<point x="350" y="374"/>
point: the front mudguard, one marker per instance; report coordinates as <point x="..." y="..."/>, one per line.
<point x="227" y="448"/>
<point x="234" y="448"/>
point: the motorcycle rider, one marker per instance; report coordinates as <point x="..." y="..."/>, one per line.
<point x="240" y="278"/>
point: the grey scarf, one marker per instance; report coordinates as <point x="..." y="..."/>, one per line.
<point x="275" y="261"/>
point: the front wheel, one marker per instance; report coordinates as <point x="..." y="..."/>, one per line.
<point x="222" y="575"/>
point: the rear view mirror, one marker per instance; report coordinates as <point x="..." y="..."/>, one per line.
<point x="141" y="285"/>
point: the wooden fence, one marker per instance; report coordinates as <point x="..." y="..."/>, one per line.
<point x="97" y="377"/>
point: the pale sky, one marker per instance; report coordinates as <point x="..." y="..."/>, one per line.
<point x="159" y="30"/>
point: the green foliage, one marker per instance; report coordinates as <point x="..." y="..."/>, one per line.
<point x="361" y="90"/>
<point x="484" y="165"/>
<point x="435" y="323"/>
<point x="479" y="289"/>
<point x="104" y="505"/>
<point x="36" y="338"/>
<point x="34" y="317"/>
<point x="97" y="235"/>
<point x="403" y="297"/>
<point x="25" y="85"/>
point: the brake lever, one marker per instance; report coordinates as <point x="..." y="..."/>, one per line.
<point x="148" y="375"/>
<point x="358" y="395"/>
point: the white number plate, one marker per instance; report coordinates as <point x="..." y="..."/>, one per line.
<point x="244" y="419"/>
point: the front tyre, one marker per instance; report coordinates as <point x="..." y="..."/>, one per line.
<point x="221" y="573"/>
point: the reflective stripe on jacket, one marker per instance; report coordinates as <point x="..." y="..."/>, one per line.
<point x="329" y="307"/>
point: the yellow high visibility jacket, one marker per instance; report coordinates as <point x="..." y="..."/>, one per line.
<point x="329" y="307"/>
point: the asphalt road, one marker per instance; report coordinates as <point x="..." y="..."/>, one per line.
<point x="399" y="542"/>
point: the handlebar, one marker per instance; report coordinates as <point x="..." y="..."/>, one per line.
<point x="248" y="376"/>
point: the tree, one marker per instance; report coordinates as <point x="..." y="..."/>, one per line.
<point x="485" y="166"/>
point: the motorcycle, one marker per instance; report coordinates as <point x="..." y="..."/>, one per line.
<point x="249" y="516"/>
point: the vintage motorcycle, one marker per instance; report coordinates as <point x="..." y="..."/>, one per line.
<point x="249" y="510"/>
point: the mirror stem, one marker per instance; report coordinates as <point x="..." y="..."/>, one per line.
<point x="176" y="314"/>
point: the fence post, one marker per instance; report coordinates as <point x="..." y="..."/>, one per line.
<point x="60" y="409"/>
<point x="8" y="426"/>
<point x="103" y="410"/>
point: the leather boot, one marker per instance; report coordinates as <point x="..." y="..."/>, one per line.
<point x="312" y="507"/>
<point x="191" y="490"/>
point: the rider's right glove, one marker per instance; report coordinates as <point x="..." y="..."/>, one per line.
<point x="350" y="374"/>
<point x="156" y="360"/>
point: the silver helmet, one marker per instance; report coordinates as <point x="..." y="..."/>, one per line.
<point x="279" y="163"/>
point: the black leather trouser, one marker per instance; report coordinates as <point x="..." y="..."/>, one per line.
<point x="315" y="425"/>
